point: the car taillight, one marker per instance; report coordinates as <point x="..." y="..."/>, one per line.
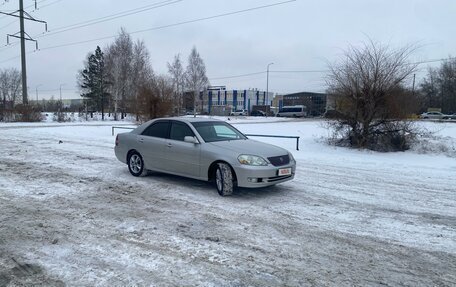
<point x="117" y="140"/>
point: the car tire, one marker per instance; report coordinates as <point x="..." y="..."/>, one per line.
<point x="136" y="164"/>
<point x="224" y="179"/>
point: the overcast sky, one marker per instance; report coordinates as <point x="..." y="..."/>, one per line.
<point x="296" y="36"/>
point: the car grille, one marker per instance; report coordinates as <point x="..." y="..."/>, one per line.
<point x="277" y="178"/>
<point x="279" y="160"/>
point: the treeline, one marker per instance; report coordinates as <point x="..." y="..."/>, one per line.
<point x="119" y="79"/>
<point x="438" y="90"/>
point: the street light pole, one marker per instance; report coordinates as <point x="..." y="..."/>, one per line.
<point x="267" y="80"/>
<point x="61" y="103"/>
<point x="61" y="91"/>
<point x="36" y="90"/>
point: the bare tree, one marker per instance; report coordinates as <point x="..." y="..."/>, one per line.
<point x="177" y="73"/>
<point x="155" y="98"/>
<point x="195" y="78"/>
<point x="429" y="90"/>
<point x="118" y="59"/>
<point x="128" y="66"/>
<point x="447" y="81"/>
<point x="141" y="73"/>
<point x="367" y="85"/>
<point x="10" y="89"/>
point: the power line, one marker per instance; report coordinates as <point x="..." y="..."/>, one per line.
<point x="320" y="71"/>
<point x="433" y="61"/>
<point x="173" y="25"/>
<point x="110" y="17"/>
<point x="238" y="76"/>
<point x="264" y="72"/>
<point x="47" y="5"/>
<point x="7" y="25"/>
<point x="101" y="19"/>
<point x="302" y="71"/>
<point x="170" y="25"/>
<point x="12" y="58"/>
<point x="58" y="89"/>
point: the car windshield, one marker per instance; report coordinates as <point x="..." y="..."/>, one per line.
<point x="217" y="131"/>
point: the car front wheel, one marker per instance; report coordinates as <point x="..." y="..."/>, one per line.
<point x="136" y="164"/>
<point x="224" y="180"/>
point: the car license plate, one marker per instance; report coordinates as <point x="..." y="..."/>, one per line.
<point x="285" y="171"/>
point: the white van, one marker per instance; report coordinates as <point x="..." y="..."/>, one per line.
<point x="293" y="111"/>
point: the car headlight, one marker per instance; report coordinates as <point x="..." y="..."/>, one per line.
<point x="252" y="160"/>
<point x="291" y="156"/>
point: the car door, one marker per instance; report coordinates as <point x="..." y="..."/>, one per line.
<point x="182" y="157"/>
<point x="152" y="143"/>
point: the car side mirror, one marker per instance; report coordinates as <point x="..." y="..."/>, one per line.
<point x="189" y="139"/>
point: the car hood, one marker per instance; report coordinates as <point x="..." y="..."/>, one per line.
<point x="251" y="147"/>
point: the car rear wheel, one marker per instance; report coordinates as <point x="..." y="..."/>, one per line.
<point x="136" y="164"/>
<point x="224" y="180"/>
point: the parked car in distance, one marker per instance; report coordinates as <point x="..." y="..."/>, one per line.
<point x="434" y="115"/>
<point x="452" y="116"/>
<point x="257" y="113"/>
<point x="238" y="113"/>
<point x="204" y="149"/>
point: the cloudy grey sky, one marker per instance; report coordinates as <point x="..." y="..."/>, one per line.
<point x="296" y="36"/>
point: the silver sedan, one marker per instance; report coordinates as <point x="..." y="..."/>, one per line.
<point x="204" y="149"/>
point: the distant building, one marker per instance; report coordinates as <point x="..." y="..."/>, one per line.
<point x="219" y="101"/>
<point x="315" y="102"/>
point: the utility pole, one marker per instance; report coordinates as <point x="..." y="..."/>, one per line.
<point x="23" y="36"/>
<point x="267" y="83"/>
<point x="23" y="60"/>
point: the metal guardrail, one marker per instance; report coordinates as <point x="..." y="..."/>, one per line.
<point x="274" y="136"/>
<point x="249" y="135"/>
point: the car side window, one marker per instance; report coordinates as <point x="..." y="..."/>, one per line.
<point x="179" y="131"/>
<point x="224" y="132"/>
<point x="159" y="130"/>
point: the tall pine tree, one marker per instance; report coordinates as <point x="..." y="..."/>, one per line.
<point x="93" y="82"/>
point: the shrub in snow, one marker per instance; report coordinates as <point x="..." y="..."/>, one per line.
<point x="386" y="136"/>
<point x="368" y="92"/>
<point x="28" y="113"/>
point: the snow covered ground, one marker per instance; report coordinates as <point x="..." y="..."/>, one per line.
<point x="72" y="214"/>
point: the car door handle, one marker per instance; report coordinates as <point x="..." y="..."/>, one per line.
<point x="141" y="140"/>
<point x="169" y="145"/>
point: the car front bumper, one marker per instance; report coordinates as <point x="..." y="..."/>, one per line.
<point x="261" y="176"/>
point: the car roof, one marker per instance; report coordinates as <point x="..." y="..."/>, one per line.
<point x="191" y="119"/>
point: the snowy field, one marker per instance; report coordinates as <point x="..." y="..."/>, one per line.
<point x="71" y="214"/>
